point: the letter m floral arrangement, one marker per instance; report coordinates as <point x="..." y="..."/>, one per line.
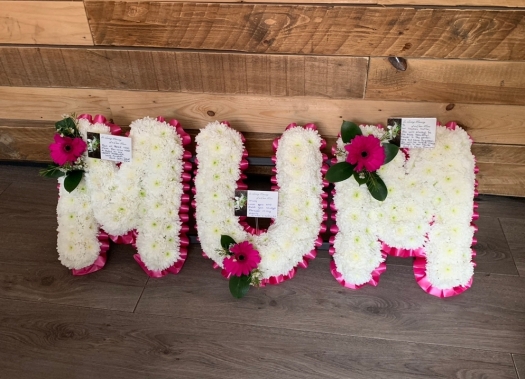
<point x="428" y="213"/>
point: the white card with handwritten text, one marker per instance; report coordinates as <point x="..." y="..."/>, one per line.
<point x="115" y="148"/>
<point x="262" y="204"/>
<point x="418" y="132"/>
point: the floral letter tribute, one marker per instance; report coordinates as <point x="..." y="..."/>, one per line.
<point x="141" y="202"/>
<point x="427" y="214"/>
<point x="245" y="255"/>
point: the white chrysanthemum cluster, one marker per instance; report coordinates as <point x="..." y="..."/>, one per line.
<point x="449" y="167"/>
<point x="429" y="204"/>
<point x="144" y="194"/>
<point x="300" y="213"/>
<point x="77" y="242"/>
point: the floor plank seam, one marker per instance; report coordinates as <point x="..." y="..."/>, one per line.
<point x="65" y="305"/>
<point x="2" y="191"/>
<point x="508" y="245"/>
<point x="515" y="366"/>
<point x="140" y="297"/>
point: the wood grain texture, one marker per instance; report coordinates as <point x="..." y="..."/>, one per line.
<point x="396" y="310"/>
<point x="510" y="179"/>
<point x="25" y="141"/>
<point x="49" y="104"/>
<point x="443" y="80"/>
<point x="519" y="362"/>
<point x="311" y="29"/>
<point x="449" y="3"/>
<point x="497" y="206"/>
<point x="158" y="70"/>
<point x="497" y="124"/>
<point x="514" y="230"/>
<point x="131" y="346"/>
<point x="507" y="154"/>
<point x="493" y="254"/>
<point x="494" y="124"/>
<point x="30" y="269"/>
<point x="44" y="22"/>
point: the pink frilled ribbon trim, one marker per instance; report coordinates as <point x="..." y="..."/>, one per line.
<point x="275" y="187"/>
<point x="420" y="262"/>
<point x="130" y="237"/>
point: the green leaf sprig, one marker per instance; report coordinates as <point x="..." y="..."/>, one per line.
<point x="344" y="170"/>
<point x="239" y="285"/>
<point x="67" y="127"/>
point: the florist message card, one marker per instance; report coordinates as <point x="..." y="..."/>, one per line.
<point x="260" y="204"/>
<point x="416" y="132"/>
<point x="109" y="147"/>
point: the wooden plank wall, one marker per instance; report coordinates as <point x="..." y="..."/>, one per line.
<point x="262" y="65"/>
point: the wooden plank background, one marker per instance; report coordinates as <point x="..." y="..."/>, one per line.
<point x="311" y="29"/>
<point x="264" y="65"/>
<point x="174" y="71"/>
<point x="44" y="22"/>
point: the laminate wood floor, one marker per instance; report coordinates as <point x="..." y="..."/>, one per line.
<point x="117" y="323"/>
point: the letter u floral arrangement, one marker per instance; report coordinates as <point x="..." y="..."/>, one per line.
<point x="416" y="203"/>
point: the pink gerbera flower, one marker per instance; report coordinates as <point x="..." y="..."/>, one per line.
<point x="366" y="153"/>
<point x="244" y="259"/>
<point x="66" y="149"/>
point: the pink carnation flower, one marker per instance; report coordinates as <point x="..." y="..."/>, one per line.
<point x="244" y="259"/>
<point x="66" y="149"/>
<point x="366" y="153"/>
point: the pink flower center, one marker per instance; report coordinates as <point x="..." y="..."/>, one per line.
<point x="364" y="154"/>
<point x="67" y="148"/>
<point x="241" y="257"/>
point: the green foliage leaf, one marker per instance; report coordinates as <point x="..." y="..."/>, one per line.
<point x="239" y="285"/>
<point x="391" y="151"/>
<point x="358" y="178"/>
<point x="339" y="172"/>
<point x="377" y="187"/>
<point x="52" y="171"/>
<point x="72" y="180"/>
<point x="226" y="241"/>
<point x="349" y="130"/>
<point x="67" y="127"/>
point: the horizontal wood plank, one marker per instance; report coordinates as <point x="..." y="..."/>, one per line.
<point x="487" y="124"/>
<point x="397" y="309"/>
<point x="50" y="103"/>
<point x="501" y="179"/>
<point x="449" y="3"/>
<point x="444" y="80"/>
<point x="502" y="167"/>
<point x="311" y="29"/>
<point x="44" y="22"/>
<point x="496" y="124"/>
<point x="65" y="342"/>
<point x="221" y="73"/>
<point x="506" y="154"/>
